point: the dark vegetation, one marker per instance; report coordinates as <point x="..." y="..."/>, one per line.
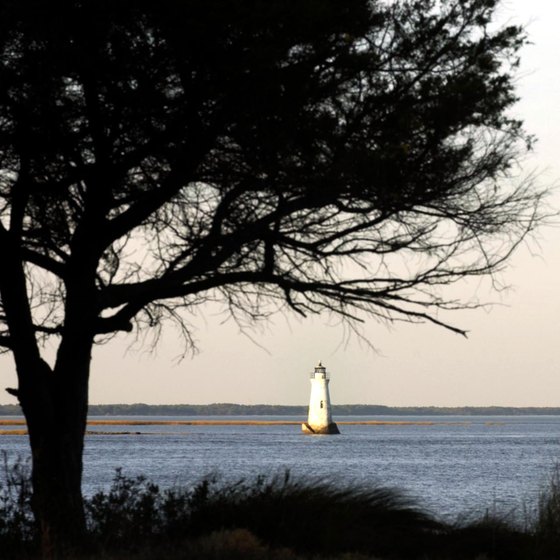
<point x="277" y="518"/>
<point x="232" y="409"/>
<point x="229" y="409"/>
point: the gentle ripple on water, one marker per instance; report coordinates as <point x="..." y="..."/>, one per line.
<point x="456" y="466"/>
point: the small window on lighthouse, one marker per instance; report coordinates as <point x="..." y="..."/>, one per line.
<point x="321" y="404"/>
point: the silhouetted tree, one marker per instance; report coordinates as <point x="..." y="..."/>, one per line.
<point x="314" y="155"/>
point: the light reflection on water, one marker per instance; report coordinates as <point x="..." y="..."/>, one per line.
<point x="456" y="466"/>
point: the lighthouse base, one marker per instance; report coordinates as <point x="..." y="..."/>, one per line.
<point x="331" y="428"/>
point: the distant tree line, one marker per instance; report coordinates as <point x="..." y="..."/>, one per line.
<point x="231" y="409"/>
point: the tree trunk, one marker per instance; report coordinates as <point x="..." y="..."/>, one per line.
<point x="56" y="414"/>
<point x="54" y="403"/>
<point x="54" y="400"/>
<point x="57" y="497"/>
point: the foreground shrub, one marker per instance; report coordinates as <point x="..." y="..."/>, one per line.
<point x="17" y="526"/>
<point x="135" y="512"/>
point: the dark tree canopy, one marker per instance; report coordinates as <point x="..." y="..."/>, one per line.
<point x="313" y="155"/>
<point x="324" y="155"/>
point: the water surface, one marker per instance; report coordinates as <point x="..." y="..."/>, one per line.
<point x="455" y="465"/>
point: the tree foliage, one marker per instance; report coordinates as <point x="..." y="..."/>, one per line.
<point x="350" y="158"/>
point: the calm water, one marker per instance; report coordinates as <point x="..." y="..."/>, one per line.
<point x="456" y="466"/>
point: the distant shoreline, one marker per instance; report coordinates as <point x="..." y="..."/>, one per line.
<point x="232" y="409"/>
<point x="16" y="427"/>
<point x="243" y="423"/>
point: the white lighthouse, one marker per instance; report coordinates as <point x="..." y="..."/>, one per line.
<point x="320" y="420"/>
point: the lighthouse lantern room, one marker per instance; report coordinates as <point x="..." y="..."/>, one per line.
<point x="319" y="420"/>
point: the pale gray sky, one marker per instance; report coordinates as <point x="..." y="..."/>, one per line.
<point x="511" y="358"/>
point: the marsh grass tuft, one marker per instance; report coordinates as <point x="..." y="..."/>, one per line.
<point x="547" y="523"/>
<point x="315" y="517"/>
